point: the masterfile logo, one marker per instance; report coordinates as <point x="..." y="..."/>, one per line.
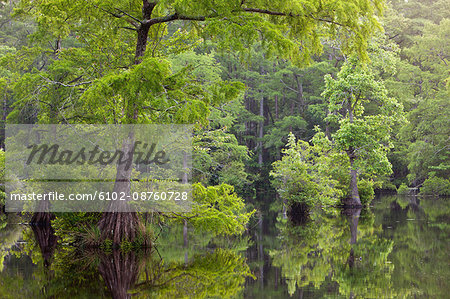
<point x="56" y="155"/>
<point x="91" y="161"/>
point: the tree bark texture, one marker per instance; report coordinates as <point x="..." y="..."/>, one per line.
<point x="353" y="199"/>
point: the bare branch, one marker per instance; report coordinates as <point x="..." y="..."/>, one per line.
<point x="173" y="17"/>
<point x="277" y="13"/>
<point x="296" y="91"/>
<point x="119" y="16"/>
<point x="129" y="28"/>
<point x="128" y="15"/>
<point x="75" y="80"/>
<point x="66" y="85"/>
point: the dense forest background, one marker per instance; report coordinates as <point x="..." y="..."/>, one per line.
<point x="258" y="97"/>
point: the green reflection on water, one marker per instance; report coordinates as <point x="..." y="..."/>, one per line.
<point x="398" y="248"/>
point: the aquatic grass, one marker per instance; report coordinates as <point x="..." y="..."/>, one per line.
<point x="89" y="236"/>
<point x="144" y="237"/>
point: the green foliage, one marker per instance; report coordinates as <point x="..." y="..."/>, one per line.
<point x="302" y="174"/>
<point x="428" y="133"/>
<point x="436" y="186"/>
<point x="217" y="209"/>
<point x="276" y="137"/>
<point x="364" y="131"/>
<point x="403" y="189"/>
<point x="77" y="227"/>
<point x="79" y="65"/>
<point x="420" y="29"/>
<point x="97" y="73"/>
<point x="218" y="158"/>
<point x="149" y="84"/>
<point x="90" y="237"/>
<point x="366" y="192"/>
<point x="287" y="28"/>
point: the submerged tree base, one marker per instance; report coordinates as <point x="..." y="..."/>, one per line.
<point x="120" y="227"/>
<point x="352" y="203"/>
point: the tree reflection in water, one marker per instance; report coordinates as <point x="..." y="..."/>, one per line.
<point x="46" y="240"/>
<point x="332" y="253"/>
<point x="69" y="272"/>
<point x="341" y="250"/>
<point x="119" y="272"/>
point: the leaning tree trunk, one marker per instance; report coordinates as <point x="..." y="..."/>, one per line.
<point x="261" y="132"/>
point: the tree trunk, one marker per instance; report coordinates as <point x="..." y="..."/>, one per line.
<point x="353" y="197"/>
<point x="44" y="216"/>
<point x="300" y="98"/>
<point x="276" y="107"/>
<point x="141" y="43"/>
<point x="120" y="222"/>
<point x="261" y="133"/>
<point x="327" y="127"/>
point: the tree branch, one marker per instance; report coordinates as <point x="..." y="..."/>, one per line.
<point x="268" y="12"/>
<point x="129" y="28"/>
<point x="149" y="6"/>
<point x="119" y="16"/>
<point x="173" y="17"/>
<point x="147" y="9"/>
<point x="63" y="84"/>
<point x="287" y="86"/>
<point x="277" y="13"/>
<point x="128" y="15"/>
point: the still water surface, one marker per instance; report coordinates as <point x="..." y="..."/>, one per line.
<point x="397" y="249"/>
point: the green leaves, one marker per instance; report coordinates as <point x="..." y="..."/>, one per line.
<point x="366" y="115"/>
<point x="302" y="175"/>
<point x="428" y="133"/>
<point x="218" y="158"/>
<point x="289" y="29"/>
<point x="219" y="210"/>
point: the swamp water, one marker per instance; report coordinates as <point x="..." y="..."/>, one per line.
<point x="399" y="248"/>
